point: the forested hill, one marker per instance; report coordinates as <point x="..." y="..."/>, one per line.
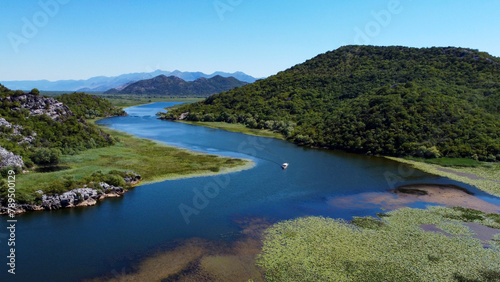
<point x="378" y="100"/>
<point x="174" y="86"/>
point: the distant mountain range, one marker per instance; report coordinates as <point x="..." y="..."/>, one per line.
<point x="104" y="83"/>
<point x="175" y="86"/>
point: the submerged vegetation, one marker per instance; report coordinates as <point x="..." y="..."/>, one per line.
<point x="394" y="248"/>
<point x="396" y="101"/>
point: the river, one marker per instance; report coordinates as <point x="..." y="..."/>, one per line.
<point x="73" y="244"/>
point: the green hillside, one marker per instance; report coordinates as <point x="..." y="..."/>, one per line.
<point x="376" y="100"/>
<point x="32" y="123"/>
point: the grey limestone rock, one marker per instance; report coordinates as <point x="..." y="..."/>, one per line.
<point x="10" y="159"/>
<point x="38" y="105"/>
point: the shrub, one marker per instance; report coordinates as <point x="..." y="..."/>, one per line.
<point x="429" y="153"/>
<point x="45" y="156"/>
<point x="5" y="170"/>
<point x="115" y="180"/>
<point x="303" y="139"/>
<point x="209" y="117"/>
<point x="231" y="119"/>
<point x="35" y="91"/>
<point x="28" y="163"/>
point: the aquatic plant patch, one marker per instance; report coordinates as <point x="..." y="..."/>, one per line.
<point x="392" y="248"/>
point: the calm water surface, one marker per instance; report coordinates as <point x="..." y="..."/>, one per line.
<point x="74" y="244"/>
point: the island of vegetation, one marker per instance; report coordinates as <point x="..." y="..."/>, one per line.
<point x="62" y="159"/>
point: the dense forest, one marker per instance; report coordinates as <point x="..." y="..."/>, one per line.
<point x="398" y="101"/>
<point x="177" y="87"/>
<point x="40" y="129"/>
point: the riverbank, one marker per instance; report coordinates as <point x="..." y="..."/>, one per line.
<point x="486" y="177"/>
<point x="154" y="161"/>
<point x="79" y="197"/>
<point x="236" y="127"/>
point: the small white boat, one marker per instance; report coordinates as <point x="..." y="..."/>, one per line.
<point x="284" y="166"/>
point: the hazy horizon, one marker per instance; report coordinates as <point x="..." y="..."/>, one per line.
<point x="157" y="70"/>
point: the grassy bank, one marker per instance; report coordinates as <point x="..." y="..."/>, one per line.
<point x="124" y="101"/>
<point x="152" y="160"/>
<point x="128" y="100"/>
<point x="485" y="176"/>
<point x="236" y="127"/>
<point x="437" y="244"/>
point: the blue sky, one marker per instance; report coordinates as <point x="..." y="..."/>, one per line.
<point x="73" y="39"/>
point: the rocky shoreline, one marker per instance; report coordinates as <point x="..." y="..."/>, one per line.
<point x="80" y="197"/>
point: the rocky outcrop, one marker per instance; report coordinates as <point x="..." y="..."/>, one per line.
<point x="38" y="105"/>
<point x="132" y="178"/>
<point x="5" y="123"/>
<point x="110" y="189"/>
<point x="81" y="197"/>
<point x="10" y="159"/>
